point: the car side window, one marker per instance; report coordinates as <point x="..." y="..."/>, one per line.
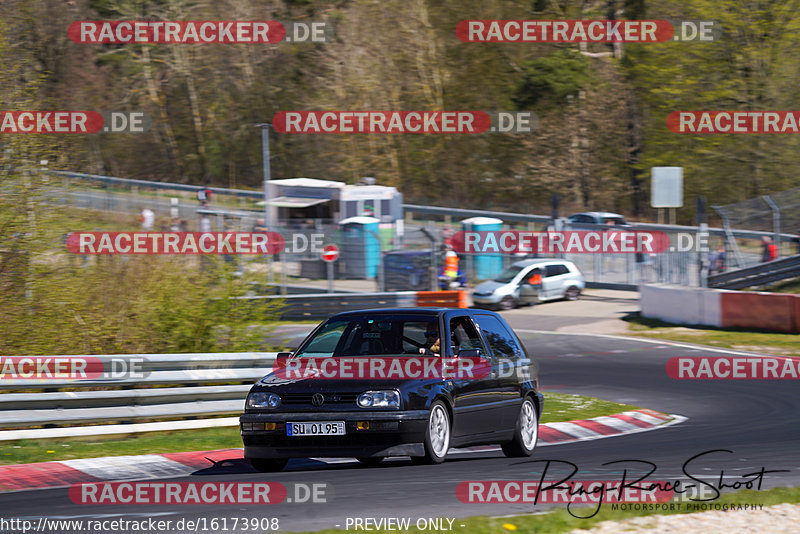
<point x="464" y="335"/>
<point x="501" y="341"/>
<point x="414" y="335"/>
<point x="555" y="270"/>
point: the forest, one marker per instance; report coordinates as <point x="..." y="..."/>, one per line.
<point x="601" y="108"/>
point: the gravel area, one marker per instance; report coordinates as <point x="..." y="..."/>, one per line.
<point x="769" y="519"/>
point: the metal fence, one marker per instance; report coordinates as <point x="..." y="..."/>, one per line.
<point x="424" y="227"/>
<point x="777" y="215"/>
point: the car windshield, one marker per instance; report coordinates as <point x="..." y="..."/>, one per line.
<point x="509" y="274"/>
<point x="614" y="220"/>
<point x="372" y="335"/>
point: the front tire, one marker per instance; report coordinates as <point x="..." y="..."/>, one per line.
<point x="526" y="432"/>
<point x="437" y="436"/>
<point x="268" y="465"/>
<point x="507" y="303"/>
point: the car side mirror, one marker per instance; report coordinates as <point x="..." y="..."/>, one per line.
<point x="469" y="353"/>
<point x="280" y="359"/>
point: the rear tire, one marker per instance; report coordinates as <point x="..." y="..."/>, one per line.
<point x="572" y="293"/>
<point x="437" y="436"/>
<point x="268" y="465"/>
<point x="526" y="432"/>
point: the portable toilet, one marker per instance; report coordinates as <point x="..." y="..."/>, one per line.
<point x="361" y="251"/>
<point x="486" y="265"/>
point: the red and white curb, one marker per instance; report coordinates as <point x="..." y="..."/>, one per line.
<point x="63" y="473"/>
<point x="606" y="426"/>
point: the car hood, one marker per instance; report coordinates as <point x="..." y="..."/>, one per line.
<point x="489" y="286"/>
<point x="279" y="385"/>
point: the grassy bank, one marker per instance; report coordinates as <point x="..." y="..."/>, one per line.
<point x="730" y="338"/>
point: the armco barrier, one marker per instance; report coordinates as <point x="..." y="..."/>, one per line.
<point x="443" y="299"/>
<point x="721" y="308"/>
<point x="322" y="306"/>
<point x="42" y="404"/>
<point x="763" y="311"/>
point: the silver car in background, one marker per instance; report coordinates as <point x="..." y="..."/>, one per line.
<point x="561" y="279"/>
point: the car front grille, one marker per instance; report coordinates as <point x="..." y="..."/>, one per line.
<point x="330" y="398"/>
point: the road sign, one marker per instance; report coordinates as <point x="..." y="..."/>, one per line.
<point x="666" y="189"/>
<point x="330" y="253"/>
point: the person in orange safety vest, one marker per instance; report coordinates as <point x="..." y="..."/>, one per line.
<point x="451" y="263"/>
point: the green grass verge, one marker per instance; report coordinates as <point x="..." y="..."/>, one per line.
<point x="729" y="338"/>
<point x="45" y="450"/>
<point x="558" y="407"/>
<point x="565" y="407"/>
<point x="787" y="286"/>
<point x="560" y="520"/>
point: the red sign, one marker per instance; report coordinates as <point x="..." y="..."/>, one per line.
<point x="330" y="253"/>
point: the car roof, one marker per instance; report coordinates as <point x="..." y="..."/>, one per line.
<point x="409" y="252"/>
<point x="432" y="311"/>
<point x="599" y="214"/>
<point x="545" y="261"/>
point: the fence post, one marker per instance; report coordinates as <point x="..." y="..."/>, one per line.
<point x="776" y="221"/>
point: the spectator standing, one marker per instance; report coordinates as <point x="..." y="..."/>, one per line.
<point x="769" y="251"/>
<point x="204" y="196"/>
<point x="451" y="264"/>
<point x="447" y="235"/>
<point x="259" y="226"/>
<point x="147" y="219"/>
<point x="797" y="240"/>
<point x="717" y="261"/>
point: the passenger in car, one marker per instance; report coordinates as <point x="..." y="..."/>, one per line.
<point x="432" y="342"/>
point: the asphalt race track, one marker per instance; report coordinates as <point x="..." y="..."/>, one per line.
<point x="756" y="420"/>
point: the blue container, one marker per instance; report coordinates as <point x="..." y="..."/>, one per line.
<point x="486" y="265"/>
<point x="361" y="251"/>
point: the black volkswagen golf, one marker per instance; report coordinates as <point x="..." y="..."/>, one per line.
<point x="395" y="382"/>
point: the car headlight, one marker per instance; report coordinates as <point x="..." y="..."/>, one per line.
<point x="260" y="399"/>
<point x="379" y="399"/>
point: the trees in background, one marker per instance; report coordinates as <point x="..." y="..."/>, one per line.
<point x="602" y="109"/>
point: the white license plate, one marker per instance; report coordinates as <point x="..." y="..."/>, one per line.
<point x="322" y="428"/>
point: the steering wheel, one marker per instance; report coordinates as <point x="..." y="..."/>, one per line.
<point x="413" y="342"/>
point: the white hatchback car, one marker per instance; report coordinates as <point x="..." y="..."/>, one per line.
<point x="561" y="279"/>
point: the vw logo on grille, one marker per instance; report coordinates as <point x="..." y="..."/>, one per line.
<point x="317" y="399"/>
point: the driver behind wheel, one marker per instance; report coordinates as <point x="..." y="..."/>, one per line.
<point x="432" y="343"/>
